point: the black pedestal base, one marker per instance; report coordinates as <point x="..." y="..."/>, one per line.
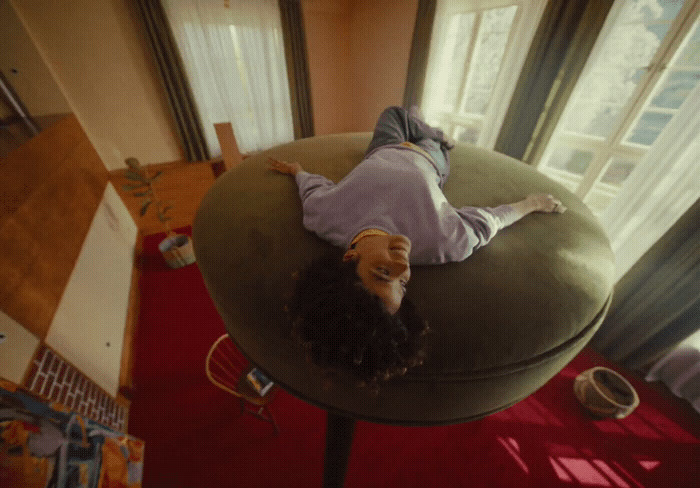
<point x="338" y="443"/>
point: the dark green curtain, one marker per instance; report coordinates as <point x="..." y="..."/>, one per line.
<point x="418" y="58"/>
<point x="563" y="40"/>
<point x="172" y="75"/>
<point x="297" y="67"/>
<point x="656" y="304"/>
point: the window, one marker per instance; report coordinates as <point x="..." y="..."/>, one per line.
<point x="234" y="57"/>
<point x="477" y="50"/>
<point x="643" y="67"/>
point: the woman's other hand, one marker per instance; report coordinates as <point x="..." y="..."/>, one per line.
<point x="284" y="167"/>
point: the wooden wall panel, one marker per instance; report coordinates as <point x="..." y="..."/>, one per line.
<point x="50" y="189"/>
<point x="28" y="166"/>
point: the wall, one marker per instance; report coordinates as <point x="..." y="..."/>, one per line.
<point x="96" y="51"/>
<point x="327" y="26"/>
<point x="100" y="60"/>
<point x="382" y="31"/>
<point x="358" y="59"/>
<point x="24" y="68"/>
<point x="51" y="188"/>
<point x="68" y="243"/>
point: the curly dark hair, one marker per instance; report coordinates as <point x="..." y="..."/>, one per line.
<point x="346" y="328"/>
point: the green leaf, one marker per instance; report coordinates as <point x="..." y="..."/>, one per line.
<point x="133" y="187"/>
<point x="154" y="177"/>
<point x="144" y="207"/>
<point x="133" y="175"/>
<point x="132" y="163"/>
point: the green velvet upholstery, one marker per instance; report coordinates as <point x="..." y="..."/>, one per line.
<point x="503" y="322"/>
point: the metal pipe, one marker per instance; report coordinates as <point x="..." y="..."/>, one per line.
<point x="16" y="104"/>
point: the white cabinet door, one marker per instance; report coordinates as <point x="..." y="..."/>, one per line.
<point x="88" y="327"/>
<point x="17" y="347"/>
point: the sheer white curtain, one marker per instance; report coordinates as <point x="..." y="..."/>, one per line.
<point x="233" y="53"/>
<point x="680" y="371"/>
<point x="664" y="184"/>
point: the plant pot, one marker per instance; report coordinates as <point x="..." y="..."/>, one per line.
<point x="605" y="393"/>
<point x="177" y="250"/>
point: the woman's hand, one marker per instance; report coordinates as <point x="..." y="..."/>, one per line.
<point x="539" y="202"/>
<point x="545" y="203"/>
<point x="284" y="167"/>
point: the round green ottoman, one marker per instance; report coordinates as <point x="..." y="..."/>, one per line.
<point x="504" y="321"/>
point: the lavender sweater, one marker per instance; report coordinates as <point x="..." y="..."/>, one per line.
<point x="395" y="189"/>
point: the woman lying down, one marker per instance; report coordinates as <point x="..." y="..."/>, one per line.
<point x="389" y="212"/>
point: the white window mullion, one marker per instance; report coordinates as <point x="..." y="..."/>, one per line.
<point x="656" y="69"/>
<point x="468" y="68"/>
<point x="593" y="172"/>
<point x="503" y="29"/>
<point x="583" y="141"/>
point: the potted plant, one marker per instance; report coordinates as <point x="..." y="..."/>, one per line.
<point x="176" y="248"/>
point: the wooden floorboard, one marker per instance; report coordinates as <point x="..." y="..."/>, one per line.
<point x="182" y="182"/>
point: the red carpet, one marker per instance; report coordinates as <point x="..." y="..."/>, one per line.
<point x="195" y="436"/>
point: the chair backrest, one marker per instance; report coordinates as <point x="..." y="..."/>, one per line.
<point x="225" y="365"/>
<point x="229" y="147"/>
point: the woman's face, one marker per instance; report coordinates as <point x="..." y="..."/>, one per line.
<point x="382" y="265"/>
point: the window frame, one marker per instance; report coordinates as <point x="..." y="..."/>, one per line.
<point x="589" y="186"/>
<point x="523" y="28"/>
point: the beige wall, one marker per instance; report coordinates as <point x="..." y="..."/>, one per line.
<point x="358" y="59"/>
<point x="95" y="50"/>
<point x="53" y="175"/>
<point x="100" y="61"/>
<point x="5" y="110"/>
<point x="382" y="31"/>
<point x="327" y="26"/>
<point x="24" y="68"/>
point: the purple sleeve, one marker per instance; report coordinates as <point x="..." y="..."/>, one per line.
<point x="309" y="183"/>
<point x="487" y="221"/>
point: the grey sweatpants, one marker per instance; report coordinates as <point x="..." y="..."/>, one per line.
<point x="395" y="125"/>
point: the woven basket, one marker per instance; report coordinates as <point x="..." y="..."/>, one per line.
<point x="177" y="250"/>
<point x="605" y="393"/>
